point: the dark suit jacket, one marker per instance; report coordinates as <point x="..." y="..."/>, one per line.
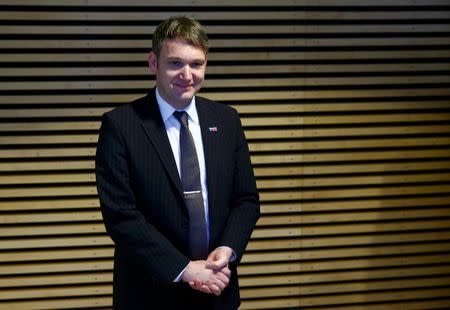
<point x="143" y="209"/>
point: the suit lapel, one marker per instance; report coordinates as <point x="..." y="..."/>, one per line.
<point x="156" y="132"/>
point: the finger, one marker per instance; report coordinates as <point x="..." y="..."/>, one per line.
<point x="205" y="289"/>
<point x="217" y="264"/>
<point x="226" y="271"/>
<point x="215" y="289"/>
<point x="193" y="285"/>
<point x="196" y="284"/>
<point x="222" y="281"/>
<point x="211" y="257"/>
<point x="201" y="287"/>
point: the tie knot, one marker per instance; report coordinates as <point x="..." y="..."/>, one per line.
<point x="182" y="117"/>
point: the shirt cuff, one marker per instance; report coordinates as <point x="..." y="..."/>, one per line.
<point x="232" y="259"/>
<point x="233" y="255"/>
<point x="178" y="278"/>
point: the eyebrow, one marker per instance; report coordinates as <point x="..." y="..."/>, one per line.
<point x="199" y="60"/>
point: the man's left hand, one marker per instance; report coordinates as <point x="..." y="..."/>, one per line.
<point x="219" y="258"/>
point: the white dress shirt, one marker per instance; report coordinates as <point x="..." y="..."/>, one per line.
<point x="173" y="132"/>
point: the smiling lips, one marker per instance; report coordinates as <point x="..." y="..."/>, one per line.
<point x="183" y="86"/>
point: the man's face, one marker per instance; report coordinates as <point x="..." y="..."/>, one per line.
<point x="180" y="71"/>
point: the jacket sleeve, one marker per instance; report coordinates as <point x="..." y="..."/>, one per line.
<point x="244" y="207"/>
<point x="124" y="222"/>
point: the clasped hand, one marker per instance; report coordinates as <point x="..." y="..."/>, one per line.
<point x="211" y="275"/>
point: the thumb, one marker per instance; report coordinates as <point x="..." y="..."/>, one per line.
<point x="217" y="264"/>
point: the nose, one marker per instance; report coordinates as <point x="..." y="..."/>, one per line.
<point x="186" y="73"/>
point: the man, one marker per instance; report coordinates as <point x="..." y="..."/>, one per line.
<point x="176" y="186"/>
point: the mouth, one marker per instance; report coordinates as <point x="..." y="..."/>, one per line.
<point x="183" y="86"/>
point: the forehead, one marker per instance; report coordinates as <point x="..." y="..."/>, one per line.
<point x="179" y="48"/>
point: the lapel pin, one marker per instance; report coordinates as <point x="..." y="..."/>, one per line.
<point x="212" y="129"/>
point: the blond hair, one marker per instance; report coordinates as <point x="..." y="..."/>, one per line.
<point x="180" y="27"/>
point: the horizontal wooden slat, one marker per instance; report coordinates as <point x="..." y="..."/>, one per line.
<point x="254" y="147"/>
<point x="288" y="232"/>
<point x="355" y="193"/>
<point x="247" y="121"/>
<point x="58" y="254"/>
<point x="299" y="13"/>
<point x="80" y="303"/>
<point x="97" y="58"/>
<point x="213" y="3"/>
<point x="56" y="279"/>
<point x="360" y="204"/>
<point x="380" y="129"/>
<point x="349" y="299"/>
<point x="230" y="29"/>
<point x="51" y="165"/>
<point x="230" y="69"/>
<point x="49" y="217"/>
<point x="439" y="303"/>
<point x="39" y="243"/>
<point x="107" y="264"/>
<point x="280" y="207"/>
<point x="226" y="43"/>
<point x="279" y="82"/>
<point x="261" y="232"/>
<point x="98" y="289"/>
<point x="353" y="180"/>
<point x="274" y="268"/>
<point x="369" y="190"/>
<point x="307" y="290"/>
<point x="341" y="264"/>
<point x="71" y="252"/>
<point x="354" y="240"/>
<point x="263" y="184"/>
<point x="54" y="230"/>
<point x="240" y="96"/>
<point x="339" y="157"/>
<point x="352" y="168"/>
<point x="348" y="144"/>
<point x="350" y="228"/>
<point x="96" y="265"/>
<point x="338" y="276"/>
<point x="48" y="178"/>
<point x="357" y="216"/>
<point x="42" y="204"/>
<point x="49" y="191"/>
<point x="89" y="216"/>
<point x="102" y="302"/>
<point x="101" y="289"/>
<point x="256" y="159"/>
<point x="250" y="133"/>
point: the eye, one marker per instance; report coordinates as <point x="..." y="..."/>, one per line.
<point x="196" y="65"/>
<point x="175" y="63"/>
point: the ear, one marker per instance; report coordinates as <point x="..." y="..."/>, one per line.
<point x="152" y="62"/>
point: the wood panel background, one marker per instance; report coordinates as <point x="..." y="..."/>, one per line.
<point x="346" y="108"/>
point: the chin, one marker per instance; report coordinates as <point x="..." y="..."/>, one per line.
<point x="186" y="96"/>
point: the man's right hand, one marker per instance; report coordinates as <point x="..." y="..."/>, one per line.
<point x="206" y="280"/>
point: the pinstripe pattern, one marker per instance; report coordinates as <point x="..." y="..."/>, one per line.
<point x="143" y="210"/>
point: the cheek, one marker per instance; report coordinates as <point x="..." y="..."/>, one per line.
<point x="200" y="77"/>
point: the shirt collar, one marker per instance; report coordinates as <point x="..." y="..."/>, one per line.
<point x="167" y="110"/>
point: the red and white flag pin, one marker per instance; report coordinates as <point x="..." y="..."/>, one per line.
<point x="212" y="129"/>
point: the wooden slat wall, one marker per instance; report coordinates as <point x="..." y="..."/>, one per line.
<point x="346" y="108"/>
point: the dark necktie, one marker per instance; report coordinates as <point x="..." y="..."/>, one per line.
<point x="190" y="177"/>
